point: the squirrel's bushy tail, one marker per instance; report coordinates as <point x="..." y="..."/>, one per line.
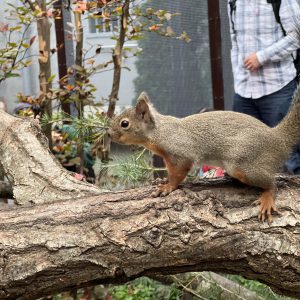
<point x="289" y="127"/>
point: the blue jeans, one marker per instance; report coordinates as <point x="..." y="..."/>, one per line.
<point x="271" y="109"/>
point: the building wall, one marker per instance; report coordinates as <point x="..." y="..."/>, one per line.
<point x="103" y="80"/>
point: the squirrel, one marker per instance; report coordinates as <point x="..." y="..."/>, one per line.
<point x="246" y="148"/>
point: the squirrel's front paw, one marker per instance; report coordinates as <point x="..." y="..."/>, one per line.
<point x="163" y="190"/>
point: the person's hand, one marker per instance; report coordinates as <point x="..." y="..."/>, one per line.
<point x="251" y="62"/>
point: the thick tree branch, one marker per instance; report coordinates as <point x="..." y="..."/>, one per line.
<point x="114" y="237"/>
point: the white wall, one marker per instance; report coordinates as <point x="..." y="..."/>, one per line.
<point x="28" y="83"/>
<point x="103" y="80"/>
<point x="8" y="88"/>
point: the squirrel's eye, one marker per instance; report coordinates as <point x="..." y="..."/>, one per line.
<point x="125" y="123"/>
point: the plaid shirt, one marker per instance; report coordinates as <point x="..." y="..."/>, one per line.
<point x="256" y="30"/>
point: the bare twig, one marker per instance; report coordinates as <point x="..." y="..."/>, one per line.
<point x="32" y="4"/>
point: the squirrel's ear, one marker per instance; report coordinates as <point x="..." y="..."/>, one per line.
<point x="143" y="96"/>
<point x="142" y="107"/>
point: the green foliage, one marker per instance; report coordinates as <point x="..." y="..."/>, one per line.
<point x="129" y="292"/>
<point x="15" y="43"/>
<point x="134" y="170"/>
<point x="261" y="289"/>
<point x="13" y="54"/>
<point x="90" y="128"/>
<point x="145" y="289"/>
<point x="130" y="170"/>
<point x="142" y="19"/>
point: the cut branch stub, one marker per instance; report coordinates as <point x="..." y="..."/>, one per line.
<point x="34" y="173"/>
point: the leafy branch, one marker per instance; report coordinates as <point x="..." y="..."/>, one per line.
<point x="91" y="128"/>
<point x="133" y="170"/>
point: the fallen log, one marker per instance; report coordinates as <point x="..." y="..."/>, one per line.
<point x="114" y="237"/>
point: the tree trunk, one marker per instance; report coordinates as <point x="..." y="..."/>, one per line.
<point x="43" y="28"/>
<point x="79" y="104"/>
<point x="117" y="59"/>
<point x="113" y="237"/>
<point x="114" y="94"/>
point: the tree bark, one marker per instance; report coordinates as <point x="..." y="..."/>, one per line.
<point x="79" y="104"/>
<point x="117" y="59"/>
<point x="91" y="237"/>
<point x="115" y="237"/>
<point x="43" y="29"/>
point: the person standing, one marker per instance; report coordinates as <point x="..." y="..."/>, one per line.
<point x="262" y="57"/>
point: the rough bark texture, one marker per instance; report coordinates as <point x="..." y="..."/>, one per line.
<point x="34" y="173"/>
<point x="43" y="29"/>
<point x="117" y="236"/>
<point x="79" y="102"/>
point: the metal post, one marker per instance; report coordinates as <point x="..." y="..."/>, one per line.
<point x="215" y="41"/>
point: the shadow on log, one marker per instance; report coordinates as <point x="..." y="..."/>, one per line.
<point x="6" y="190"/>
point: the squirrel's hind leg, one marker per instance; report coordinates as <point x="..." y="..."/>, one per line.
<point x="266" y="206"/>
<point x="176" y="174"/>
<point x="266" y="181"/>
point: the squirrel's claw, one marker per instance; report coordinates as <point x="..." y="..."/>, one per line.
<point x="163" y="190"/>
<point x="267" y="205"/>
<point x="156" y="193"/>
<point x="163" y="194"/>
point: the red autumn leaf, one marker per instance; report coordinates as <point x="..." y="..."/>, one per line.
<point x="153" y="28"/>
<point x="69" y="87"/>
<point x="3" y="27"/>
<point x="81" y="6"/>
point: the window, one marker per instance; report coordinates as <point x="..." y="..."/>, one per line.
<point x="101" y="22"/>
